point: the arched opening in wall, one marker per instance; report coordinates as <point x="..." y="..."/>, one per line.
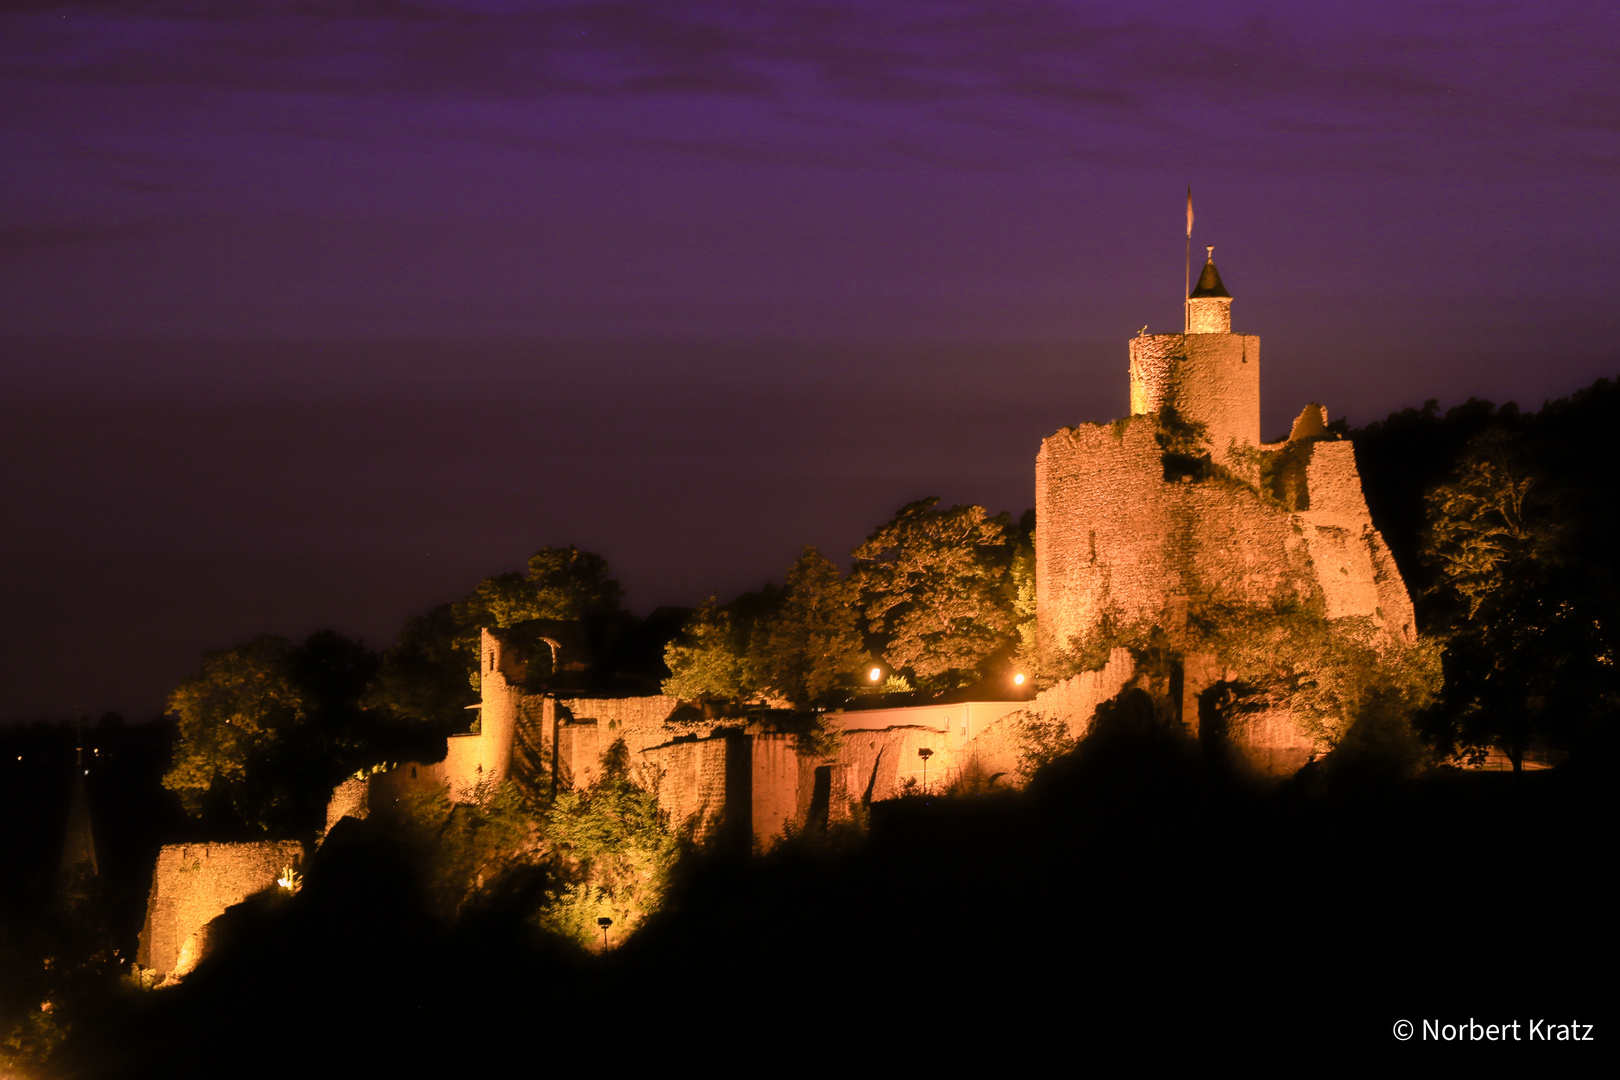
<point x="820" y="800"/>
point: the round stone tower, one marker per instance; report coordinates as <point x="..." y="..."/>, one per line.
<point x="1208" y="375"/>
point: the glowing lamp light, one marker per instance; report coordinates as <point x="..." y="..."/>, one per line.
<point x="875" y="674"/>
<point x="1018" y="679"/>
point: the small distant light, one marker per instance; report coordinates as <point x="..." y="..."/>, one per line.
<point x="1018" y="679"/>
<point x="87" y="772"/>
<point x="875" y="674"/>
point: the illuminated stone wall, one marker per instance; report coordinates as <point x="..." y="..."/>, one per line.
<point x="691" y="780"/>
<point x="1210" y="379"/>
<point x="352" y="798"/>
<point x="1127" y="537"/>
<point x="192" y="884"/>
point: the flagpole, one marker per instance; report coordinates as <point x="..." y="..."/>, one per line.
<point x="1186" y="288"/>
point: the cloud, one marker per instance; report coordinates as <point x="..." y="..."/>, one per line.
<point x="1383" y="81"/>
<point x="1104" y="58"/>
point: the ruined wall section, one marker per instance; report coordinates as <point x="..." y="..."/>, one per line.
<point x="1075" y="699"/>
<point x="640" y="721"/>
<point x="1210" y="379"/>
<point x="1353" y="565"/>
<point x="994" y="754"/>
<point x="1116" y="543"/>
<point x="778" y="795"/>
<point x="192" y="884"/>
<point x="1100" y="529"/>
<point x="351" y="798"/>
<point x="692" y="781"/>
<point x="875" y="765"/>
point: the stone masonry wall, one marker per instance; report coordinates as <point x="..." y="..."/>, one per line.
<point x="1211" y="379"/>
<point x="639" y="721"/>
<point x="691" y="782"/>
<point x="1116" y="541"/>
<point x="351" y="798"/>
<point x="192" y="884"/>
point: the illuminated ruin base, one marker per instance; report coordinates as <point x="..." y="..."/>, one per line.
<point x="729" y="777"/>
<point x="193" y="884"/>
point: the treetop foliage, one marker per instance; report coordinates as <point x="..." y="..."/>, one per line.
<point x="431" y="673"/>
<point x="812" y="648"/>
<point x="937" y="590"/>
<point x="267" y="728"/>
<point x="934" y="594"/>
<point x="709" y="660"/>
<point x="1503" y="528"/>
<point x="561" y="583"/>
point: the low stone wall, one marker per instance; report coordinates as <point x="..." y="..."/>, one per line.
<point x="192" y="884"/>
<point x="352" y="798"/>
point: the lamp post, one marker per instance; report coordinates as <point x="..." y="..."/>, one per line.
<point x="604" y="922"/>
<point x="925" y="754"/>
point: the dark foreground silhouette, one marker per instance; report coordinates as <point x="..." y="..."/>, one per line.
<point x="1131" y="907"/>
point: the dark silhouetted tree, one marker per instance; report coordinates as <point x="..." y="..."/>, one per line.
<point x="431" y="673"/>
<point x="267" y="728"/>
<point x="810" y="650"/>
<point x="1527" y="653"/>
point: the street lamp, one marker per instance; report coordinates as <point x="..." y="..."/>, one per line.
<point x="925" y="754"/>
<point x="604" y="922"/>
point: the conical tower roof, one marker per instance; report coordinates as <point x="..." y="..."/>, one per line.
<point x="1209" y="283"/>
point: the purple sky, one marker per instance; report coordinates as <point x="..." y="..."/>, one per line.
<point x="312" y="314"/>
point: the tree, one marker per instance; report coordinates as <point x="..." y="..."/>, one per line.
<point x="613" y="849"/>
<point x="1523" y="624"/>
<point x="425" y="675"/>
<point x="561" y="583"/>
<point x="811" y="648"/>
<point x="571" y="584"/>
<point x="937" y="591"/>
<point x="709" y="662"/>
<point x="431" y="673"/>
<point x="267" y="728"/>
<point x="1328" y="674"/>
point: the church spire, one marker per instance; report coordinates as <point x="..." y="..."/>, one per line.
<point x="79" y="844"/>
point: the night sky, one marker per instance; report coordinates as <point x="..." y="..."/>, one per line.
<point x="313" y="314"/>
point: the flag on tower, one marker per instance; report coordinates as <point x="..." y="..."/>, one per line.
<point x="1189" y="211"/>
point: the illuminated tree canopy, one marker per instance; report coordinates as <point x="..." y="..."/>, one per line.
<point x="937" y="590"/>
<point x="268" y="727"/>
<point x="709" y="662"/>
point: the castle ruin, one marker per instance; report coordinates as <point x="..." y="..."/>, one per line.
<point x="1170" y="522"/>
<point x="1181" y="515"/>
